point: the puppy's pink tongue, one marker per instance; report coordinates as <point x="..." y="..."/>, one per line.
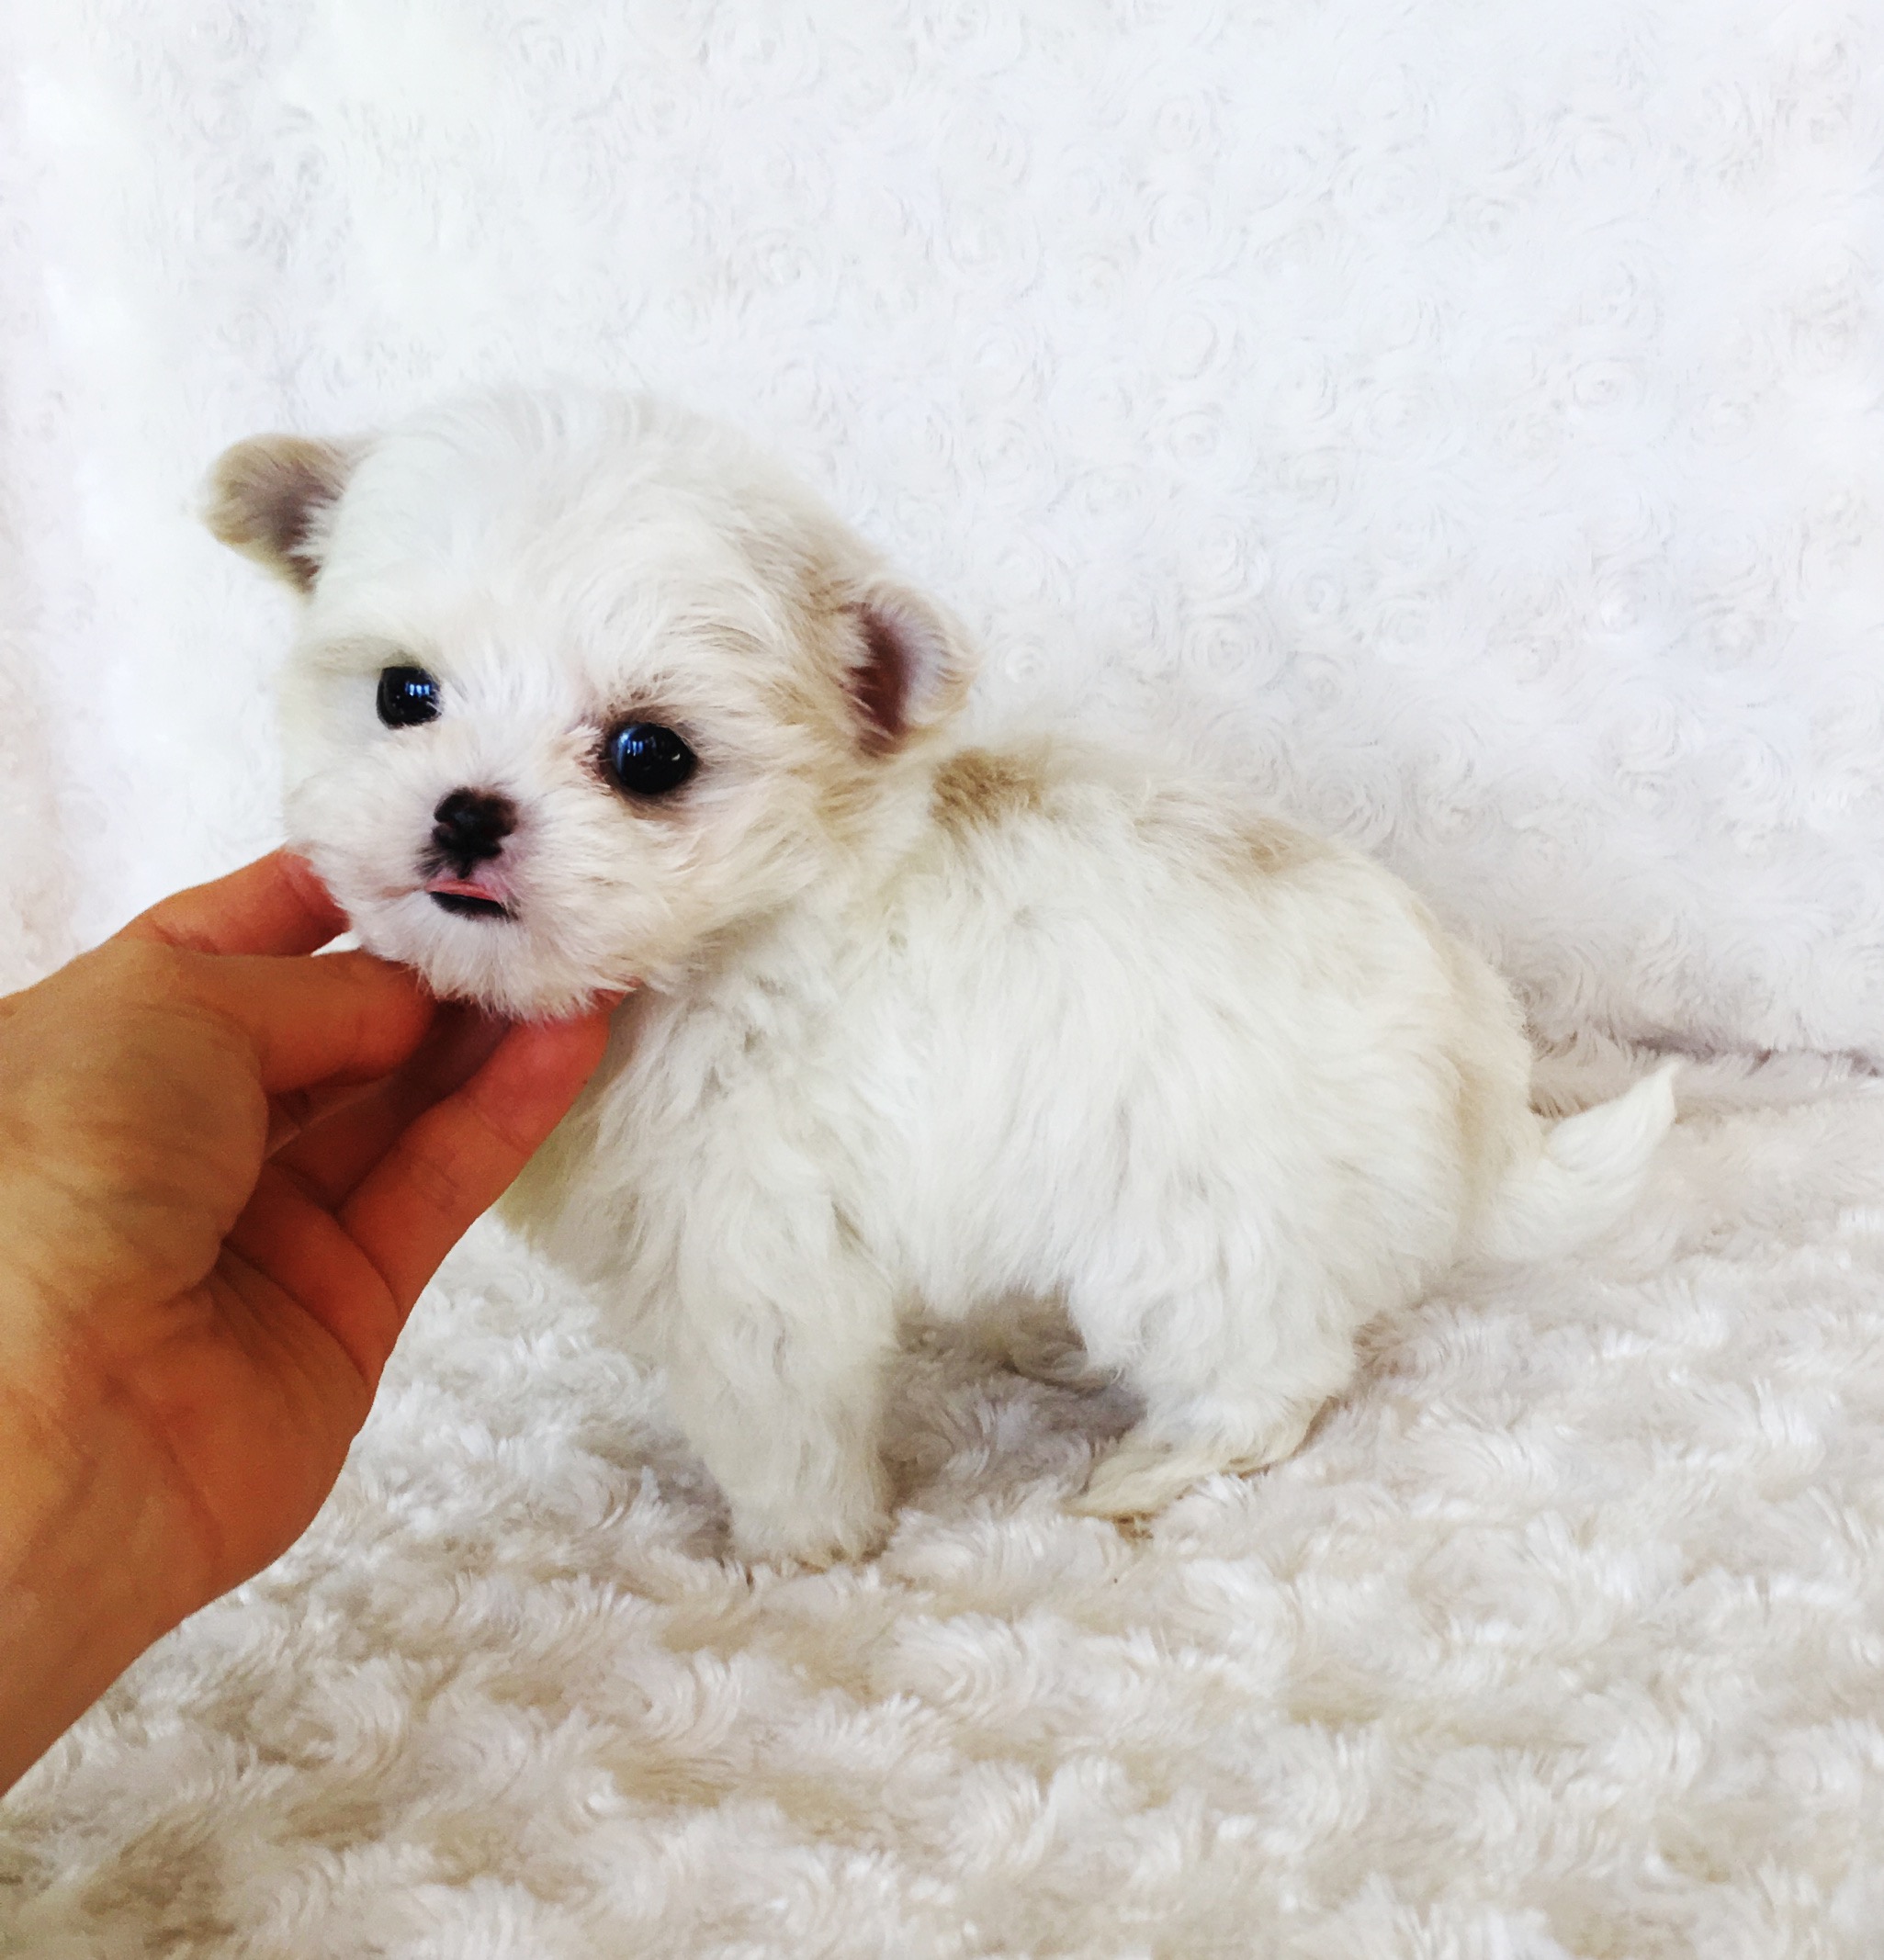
<point x="468" y="888"/>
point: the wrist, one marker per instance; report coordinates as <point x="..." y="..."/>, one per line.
<point x="89" y="1568"/>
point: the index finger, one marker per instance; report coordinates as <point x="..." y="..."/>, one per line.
<point x="348" y="1017"/>
<point x="276" y="905"/>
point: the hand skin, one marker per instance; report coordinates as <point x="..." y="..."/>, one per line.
<point x="226" y="1171"/>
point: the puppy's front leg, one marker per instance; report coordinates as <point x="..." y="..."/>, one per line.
<point x="779" y="1386"/>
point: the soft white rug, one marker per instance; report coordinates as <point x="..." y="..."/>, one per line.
<point x="1459" y="417"/>
<point x="1564" y="1636"/>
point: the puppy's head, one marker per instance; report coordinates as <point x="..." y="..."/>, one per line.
<point x="583" y="686"/>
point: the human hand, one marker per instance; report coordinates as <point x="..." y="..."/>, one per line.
<point x="226" y="1171"/>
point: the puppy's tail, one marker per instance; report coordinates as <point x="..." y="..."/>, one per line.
<point x="1582" y="1175"/>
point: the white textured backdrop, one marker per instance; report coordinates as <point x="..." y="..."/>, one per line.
<point x="1459" y="417"/>
<point x="1463" y="416"/>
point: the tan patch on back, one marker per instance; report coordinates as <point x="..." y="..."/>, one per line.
<point x="1274" y="848"/>
<point x="979" y="788"/>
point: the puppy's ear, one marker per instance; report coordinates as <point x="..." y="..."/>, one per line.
<point x="270" y="498"/>
<point x="910" y="666"/>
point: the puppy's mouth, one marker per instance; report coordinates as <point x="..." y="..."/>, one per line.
<point x="472" y="897"/>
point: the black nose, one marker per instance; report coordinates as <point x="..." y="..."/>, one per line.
<point x="469" y="826"/>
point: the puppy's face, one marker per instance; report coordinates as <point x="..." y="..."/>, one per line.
<point x="583" y="685"/>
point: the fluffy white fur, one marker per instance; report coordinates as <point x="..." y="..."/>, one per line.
<point x="925" y="1028"/>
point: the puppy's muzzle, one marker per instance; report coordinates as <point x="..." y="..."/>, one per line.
<point x="469" y="826"/>
<point x="468" y="832"/>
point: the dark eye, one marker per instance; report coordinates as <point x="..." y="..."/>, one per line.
<point x="408" y="695"/>
<point x="647" y="760"/>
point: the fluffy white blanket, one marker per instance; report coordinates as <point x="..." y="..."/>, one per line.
<point x="1459" y="418"/>
<point x="1560" y="1637"/>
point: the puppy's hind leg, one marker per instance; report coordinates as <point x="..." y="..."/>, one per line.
<point x="1229" y="1385"/>
<point x="1163" y="1458"/>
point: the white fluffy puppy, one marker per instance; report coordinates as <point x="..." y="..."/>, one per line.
<point x="588" y="693"/>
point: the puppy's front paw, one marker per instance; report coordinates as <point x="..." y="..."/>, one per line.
<point x="845" y="1515"/>
<point x="808" y="1538"/>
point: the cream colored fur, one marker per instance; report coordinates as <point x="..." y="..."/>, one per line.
<point x="922" y="1027"/>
